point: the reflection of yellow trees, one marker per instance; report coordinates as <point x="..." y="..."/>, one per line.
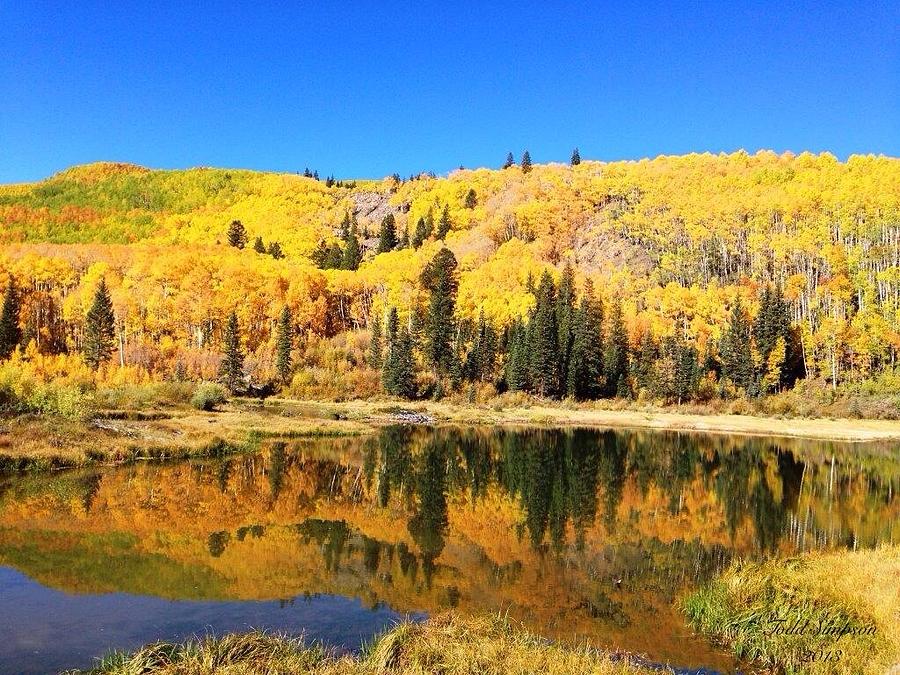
<point x="306" y="519"/>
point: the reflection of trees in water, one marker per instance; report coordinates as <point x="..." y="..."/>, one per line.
<point x="429" y="523"/>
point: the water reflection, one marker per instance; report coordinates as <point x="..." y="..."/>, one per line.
<point x="579" y="533"/>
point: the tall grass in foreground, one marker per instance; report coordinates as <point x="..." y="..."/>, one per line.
<point x="446" y="644"/>
<point x="792" y="614"/>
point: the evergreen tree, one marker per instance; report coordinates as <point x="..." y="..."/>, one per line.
<point x="319" y="256"/>
<point x="10" y="333"/>
<point x="471" y="199"/>
<point x="585" y="368"/>
<point x="429" y="224"/>
<point x="773" y="338"/>
<point x="334" y="258"/>
<point x="615" y="357"/>
<point x="420" y="234"/>
<point x="440" y="278"/>
<point x="237" y="235"/>
<point x="352" y="253"/>
<point x="517" y="357"/>
<point x="258" y="245"/>
<point x="565" y="318"/>
<point x="644" y="363"/>
<point x="483" y="355"/>
<point x="576" y="158"/>
<point x="737" y="358"/>
<point x="375" y="355"/>
<point x="404" y="240"/>
<point x="275" y="250"/>
<point x="387" y="237"/>
<point x="510" y="160"/>
<point x="231" y="370"/>
<point x="284" y="342"/>
<point x="677" y="370"/>
<point x="398" y="375"/>
<point x="526" y="162"/>
<point x="99" y="328"/>
<point x="543" y="347"/>
<point x="345" y="226"/>
<point x="444" y="224"/>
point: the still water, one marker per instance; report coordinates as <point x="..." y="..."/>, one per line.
<point x="580" y="534"/>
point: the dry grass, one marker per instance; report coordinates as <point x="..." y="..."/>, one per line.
<point x="743" y="609"/>
<point x="447" y="644"/>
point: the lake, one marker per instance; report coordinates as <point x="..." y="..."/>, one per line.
<point x="580" y="534"/>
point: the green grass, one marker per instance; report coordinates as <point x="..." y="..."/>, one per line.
<point x="788" y="614"/>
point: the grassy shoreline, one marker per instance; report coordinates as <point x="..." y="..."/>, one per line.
<point x="817" y="613"/>
<point x="447" y="644"/>
<point x="40" y="442"/>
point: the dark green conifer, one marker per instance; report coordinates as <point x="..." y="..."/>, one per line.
<point x="421" y="233"/>
<point x="576" y="158"/>
<point x="444" y="224"/>
<point x="10" y="333"/>
<point x="99" y="328"/>
<point x="439" y="277"/>
<point x="526" y="162"/>
<point x="737" y="358"/>
<point x="345" y="226"/>
<point x="471" y="199"/>
<point x="565" y="318"/>
<point x="387" y="237"/>
<point x="517" y="365"/>
<point x="375" y="351"/>
<point x="258" y="245"/>
<point x="231" y="370"/>
<point x="615" y="358"/>
<point x="398" y="375"/>
<point x="585" y="368"/>
<point x="644" y="364"/>
<point x="237" y="235"/>
<point x="429" y="224"/>
<point x="543" y="344"/>
<point x="275" y="250"/>
<point x="284" y="343"/>
<point x="352" y="253"/>
<point x="334" y="258"/>
<point x="510" y="160"/>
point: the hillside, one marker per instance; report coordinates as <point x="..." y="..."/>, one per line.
<point x="675" y="239"/>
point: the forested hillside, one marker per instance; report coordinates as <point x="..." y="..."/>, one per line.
<point x="676" y="278"/>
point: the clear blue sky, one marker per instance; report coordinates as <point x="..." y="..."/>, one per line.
<point x="365" y="89"/>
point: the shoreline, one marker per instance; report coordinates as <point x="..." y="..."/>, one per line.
<point x="35" y="443"/>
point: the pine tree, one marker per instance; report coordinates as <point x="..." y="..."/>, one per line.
<point x="387" y="237"/>
<point x="576" y="158"/>
<point x="444" y="224"/>
<point x="420" y="234"/>
<point x="471" y="199"/>
<point x="510" y="160"/>
<point x="543" y="347"/>
<point x="615" y="358"/>
<point x="404" y="240"/>
<point x="483" y="355"/>
<point x="284" y="342"/>
<point x="345" y="226"/>
<point x="334" y="258"/>
<point x="439" y="277"/>
<point x="375" y="355"/>
<point x="237" y="235"/>
<point x="258" y="245"/>
<point x="526" y="162"/>
<point x="99" y="328"/>
<point x="398" y="375"/>
<point x="772" y="336"/>
<point x="585" y="368"/>
<point x="737" y="358"/>
<point x="565" y="317"/>
<point x="231" y="370"/>
<point x="10" y="333"/>
<point x="644" y="364"/>
<point x="275" y="250"/>
<point x="677" y="372"/>
<point x="352" y="253"/>
<point x="517" y="366"/>
<point x="429" y="223"/>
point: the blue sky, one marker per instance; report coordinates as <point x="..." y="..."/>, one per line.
<point x="365" y="89"/>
